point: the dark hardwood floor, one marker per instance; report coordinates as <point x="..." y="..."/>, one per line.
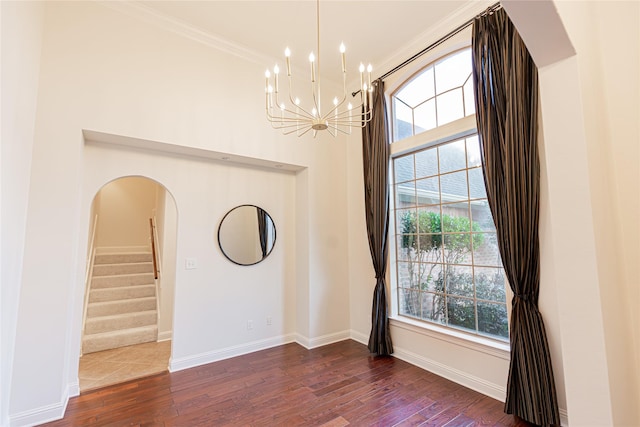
<point x="336" y="385"/>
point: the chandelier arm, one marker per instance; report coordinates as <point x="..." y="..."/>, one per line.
<point x="306" y="113"/>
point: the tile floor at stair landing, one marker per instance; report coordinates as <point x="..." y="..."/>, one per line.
<point x="123" y="364"/>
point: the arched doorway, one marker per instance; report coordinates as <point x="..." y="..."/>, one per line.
<point x="128" y="305"/>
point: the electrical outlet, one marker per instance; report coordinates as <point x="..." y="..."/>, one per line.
<point x="190" y="263"/>
<point x="249" y="325"/>
<point x="269" y="320"/>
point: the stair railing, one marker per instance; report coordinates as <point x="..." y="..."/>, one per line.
<point x="153" y="247"/>
<point x="156" y="262"/>
<point x="89" y="273"/>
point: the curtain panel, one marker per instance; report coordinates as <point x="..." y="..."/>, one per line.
<point x="506" y="84"/>
<point x="375" y="158"/>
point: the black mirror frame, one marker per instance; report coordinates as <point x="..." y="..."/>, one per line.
<point x="272" y="245"/>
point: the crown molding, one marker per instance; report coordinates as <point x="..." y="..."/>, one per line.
<point x="152" y="16"/>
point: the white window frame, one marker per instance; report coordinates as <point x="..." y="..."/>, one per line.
<point x="457" y="129"/>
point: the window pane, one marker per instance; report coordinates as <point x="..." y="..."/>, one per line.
<point x="455" y="218"/>
<point x="432" y="278"/>
<point x="449" y="106"/>
<point x="469" y="98"/>
<point x="476" y="184"/>
<point x="425" y="116"/>
<point x="426" y="163"/>
<point x="461" y="313"/>
<point x="481" y="216"/>
<point x="473" y="151"/>
<point x="454" y="186"/>
<point x="402" y="120"/>
<point x="429" y="220"/>
<point x="418" y="90"/>
<point x="433" y="307"/>
<point x="486" y="252"/>
<point x="459" y="281"/>
<point x="428" y="191"/>
<point x="406" y="243"/>
<point x="492" y="319"/>
<point x="453" y="71"/>
<point x="405" y="194"/>
<point x="409" y="302"/>
<point x="452" y="156"/>
<point x="403" y="168"/>
<point x="490" y="284"/>
<point x="430" y="247"/>
<point x="457" y="248"/>
<point x="404" y="222"/>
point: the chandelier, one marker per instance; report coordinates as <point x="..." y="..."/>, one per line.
<point x="288" y="114"/>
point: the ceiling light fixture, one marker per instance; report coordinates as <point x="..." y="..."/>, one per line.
<point x="290" y="116"/>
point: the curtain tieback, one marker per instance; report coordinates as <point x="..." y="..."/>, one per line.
<point x="523" y="297"/>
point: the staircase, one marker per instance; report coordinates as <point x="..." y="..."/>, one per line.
<point x="122" y="302"/>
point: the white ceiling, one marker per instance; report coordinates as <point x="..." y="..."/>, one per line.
<point x="372" y="31"/>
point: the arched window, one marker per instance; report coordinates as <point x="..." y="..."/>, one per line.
<point x="448" y="269"/>
<point x="439" y="94"/>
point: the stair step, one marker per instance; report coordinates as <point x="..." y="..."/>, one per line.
<point x="97" y="309"/>
<point x="122" y="268"/>
<point x="121" y="293"/>
<point x="122" y="338"/>
<point x="114" y="322"/>
<point x="120" y="258"/>
<point x="122" y="280"/>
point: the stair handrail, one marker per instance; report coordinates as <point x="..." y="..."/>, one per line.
<point x="156" y="263"/>
<point x="153" y="248"/>
<point x="89" y="273"/>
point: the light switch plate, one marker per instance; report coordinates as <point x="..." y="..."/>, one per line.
<point x="190" y="263"/>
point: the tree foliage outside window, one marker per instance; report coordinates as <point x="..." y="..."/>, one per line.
<point x="441" y="292"/>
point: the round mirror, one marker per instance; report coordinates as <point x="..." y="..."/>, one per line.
<point x="246" y="235"/>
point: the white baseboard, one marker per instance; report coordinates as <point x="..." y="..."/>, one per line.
<point x="310" y="343"/>
<point x="480" y="385"/>
<point x="226" y="353"/>
<point x="47" y="413"/>
<point x="121" y="249"/>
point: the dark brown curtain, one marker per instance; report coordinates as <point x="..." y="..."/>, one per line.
<point x="375" y="158"/>
<point x="506" y="83"/>
<point x="262" y="230"/>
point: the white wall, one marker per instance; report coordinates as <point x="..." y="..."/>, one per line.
<point x="606" y="37"/>
<point x="123" y="217"/>
<point x="21" y="29"/>
<point x="111" y="72"/>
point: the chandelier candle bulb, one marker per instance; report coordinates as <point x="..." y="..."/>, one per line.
<point x="344" y="59"/>
<point x="287" y="55"/>
<point x="312" y="59"/>
<point x="276" y="71"/>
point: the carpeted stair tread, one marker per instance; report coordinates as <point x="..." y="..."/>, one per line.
<point x="100" y="270"/>
<point x="122" y="280"/>
<point x="119" y="338"/>
<point x="107" y="308"/>
<point x="118" y="258"/>
<point x="121" y="293"/>
<point x="99" y="324"/>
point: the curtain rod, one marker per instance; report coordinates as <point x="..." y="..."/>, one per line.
<point x="443" y="39"/>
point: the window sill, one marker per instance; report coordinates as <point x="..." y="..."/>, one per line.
<point x="473" y="342"/>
